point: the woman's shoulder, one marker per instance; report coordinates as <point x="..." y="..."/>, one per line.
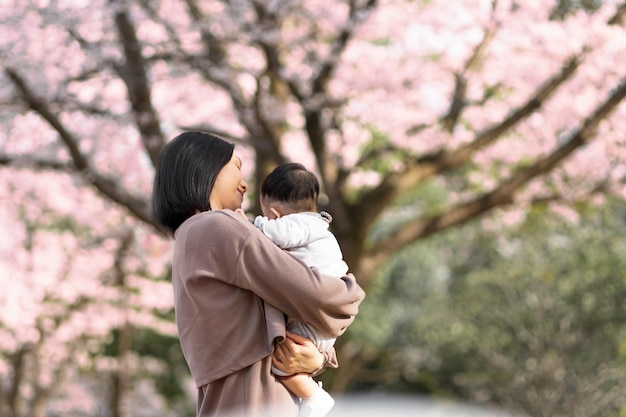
<point x="216" y="222"/>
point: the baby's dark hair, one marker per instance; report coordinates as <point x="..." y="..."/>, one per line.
<point x="293" y="184"/>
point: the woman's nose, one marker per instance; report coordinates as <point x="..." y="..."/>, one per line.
<point x="244" y="185"/>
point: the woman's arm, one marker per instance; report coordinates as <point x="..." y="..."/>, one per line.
<point x="326" y="303"/>
<point x="229" y="248"/>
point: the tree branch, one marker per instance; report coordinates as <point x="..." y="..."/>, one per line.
<point x="18" y="362"/>
<point x="439" y="162"/>
<point x="504" y="194"/>
<point x="357" y="14"/>
<point x="488" y="136"/>
<point x="216" y="51"/>
<point x="313" y="114"/>
<point x="109" y="187"/>
<point x="458" y="103"/>
<point x="36" y="164"/>
<point x="133" y="73"/>
<point x="214" y="67"/>
<point x="618" y="17"/>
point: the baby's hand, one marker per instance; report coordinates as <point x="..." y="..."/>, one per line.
<point x="243" y="213"/>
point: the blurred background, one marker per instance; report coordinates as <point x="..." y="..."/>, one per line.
<point x="471" y="153"/>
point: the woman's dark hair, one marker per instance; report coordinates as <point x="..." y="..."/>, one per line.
<point x="291" y="183"/>
<point x="185" y="175"/>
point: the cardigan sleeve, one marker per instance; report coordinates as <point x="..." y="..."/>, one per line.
<point x="230" y="249"/>
<point x="328" y="304"/>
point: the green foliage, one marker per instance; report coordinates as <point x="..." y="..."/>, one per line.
<point x="381" y="42"/>
<point x="563" y="8"/>
<point x="529" y="317"/>
<point x="51" y="221"/>
<point x="379" y="154"/>
<point x="147" y="343"/>
<point x="167" y="349"/>
<point x="429" y="198"/>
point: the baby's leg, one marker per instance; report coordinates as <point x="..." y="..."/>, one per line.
<point x="315" y="402"/>
<point x="301" y="385"/>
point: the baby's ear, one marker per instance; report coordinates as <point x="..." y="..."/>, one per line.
<point x="275" y="213"/>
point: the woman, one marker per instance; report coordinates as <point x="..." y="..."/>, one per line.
<point x="227" y="279"/>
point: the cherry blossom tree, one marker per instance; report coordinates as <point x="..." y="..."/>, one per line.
<point x="69" y="278"/>
<point x="499" y="103"/>
<point x="465" y="85"/>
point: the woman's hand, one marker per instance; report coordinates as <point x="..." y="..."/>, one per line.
<point x="297" y="354"/>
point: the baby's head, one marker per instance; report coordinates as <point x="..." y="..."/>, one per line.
<point x="289" y="188"/>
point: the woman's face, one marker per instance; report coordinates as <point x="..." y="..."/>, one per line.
<point x="229" y="187"/>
